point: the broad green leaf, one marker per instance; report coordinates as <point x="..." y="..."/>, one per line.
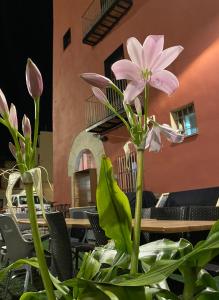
<point x="208" y="294"/>
<point x="18" y="264"/>
<point x="214" y="229"/>
<point x="126" y="293"/>
<point x="206" y="280"/>
<point x="34" y="296"/>
<point x="89" y="268"/>
<point x="114" y="209"/>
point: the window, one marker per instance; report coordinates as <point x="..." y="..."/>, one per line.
<point x="127" y="172"/>
<point x="67" y="39"/>
<point x="184" y="119"/>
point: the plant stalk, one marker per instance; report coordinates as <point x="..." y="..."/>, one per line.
<point x="138" y="208"/>
<point x="190" y="277"/>
<point x="36" y="239"/>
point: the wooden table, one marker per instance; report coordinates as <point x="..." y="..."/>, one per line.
<point x="149" y="225"/>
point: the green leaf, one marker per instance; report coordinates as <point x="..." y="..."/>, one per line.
<point x="34" y="296"/>
<point x="89" y="268"/>
<point x="18" y="264"/>
<point x="208" y="294"/>
<point x="114" y="209"/>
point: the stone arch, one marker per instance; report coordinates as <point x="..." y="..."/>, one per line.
<point x="84" y="140"/>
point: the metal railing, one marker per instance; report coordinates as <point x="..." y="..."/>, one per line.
<point x="94" y="12"/>
<point x="96" y="111"/>
<point x="127" y="172"/>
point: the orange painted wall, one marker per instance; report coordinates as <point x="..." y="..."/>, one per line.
<point x="193" y="24"/>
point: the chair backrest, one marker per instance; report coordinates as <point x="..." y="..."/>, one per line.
<point x="169" y="213"/>
<point x="99" y="233"/>
<point x="17" y="246"/>
<point x="61" y="262"/>
<point x="148" y="200"/>
<point x="200" y="213"/>
<point x="198" y="197"/>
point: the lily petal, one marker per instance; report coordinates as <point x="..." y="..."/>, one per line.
<point x="135" y="49"/>
<point x="164" y="81"/>
<point x="96" y="80"/>
<point x="153" y="140"/>
<point x="99" y="95"/>
<point x="125" y="69"/>
<point x="152" y="48"/>
<point x="172" y="135"/>
<point x="166" y="58"/>
<point x="132" y="90"/>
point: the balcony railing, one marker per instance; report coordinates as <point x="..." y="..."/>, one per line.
<point x="98" y="117"/>
<point x="100" y="17"/>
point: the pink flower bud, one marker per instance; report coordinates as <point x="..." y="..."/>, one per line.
<point x="33" y="80"/>
<point x="26" y="127"/>
<point x="22" y="144"/>
<point x="3" y="104"/>
<point x="96" y="80"/>
<point x="100" y="95"/>
<point x="13" y="116"/>
<point x="12" y="149"/>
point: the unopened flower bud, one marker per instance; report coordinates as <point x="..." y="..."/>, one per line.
<point x="100" y="95"/>
<point x="22" y="144"/>
<point x="3" y="104"/>
<point x="13" y="116"/>
<point x="12" y="149"/>
<point x="34" y="80"/>
<point x="96" y="80"/>
<point x="26" y="127"/>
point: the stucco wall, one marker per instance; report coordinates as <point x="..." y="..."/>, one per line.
<point x="193" y="24"/>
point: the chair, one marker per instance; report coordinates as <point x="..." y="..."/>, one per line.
<point x="199" y="213"/>
<point x="61" y="253"/>
<point x="99" y="233"/>
<point x="167" y="213"/>
<point x="79" y="240"/>
<point x="17" y="247"/>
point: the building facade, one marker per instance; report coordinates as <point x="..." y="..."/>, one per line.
<point x="88" y="37"/>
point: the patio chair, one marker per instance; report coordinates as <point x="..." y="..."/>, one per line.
<point x="61" y="253"/>
<point x="199" y="213"/>
<point x="168" y="213"/>
<point x="101" y="238"/>
<point x="79" y="237"/>
<point x="16" y="248"/>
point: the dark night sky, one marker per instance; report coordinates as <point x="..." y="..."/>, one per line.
<point x="25" y="31"/>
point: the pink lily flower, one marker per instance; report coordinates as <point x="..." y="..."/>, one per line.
<point x="34" y="80"/>
<point x="99" y="95"/>
<point x="3" y="104"/>
<point x="147" y="66"/>
<point x="153" y="140"/>
<point x="13" y="117"/>
<point x="26" y="127"/>
<point x="96" y="80"/>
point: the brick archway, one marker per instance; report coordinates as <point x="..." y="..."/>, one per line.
<point x="84" y="140"/>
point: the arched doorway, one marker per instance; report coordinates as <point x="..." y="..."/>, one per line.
<point x="84" y="167"/>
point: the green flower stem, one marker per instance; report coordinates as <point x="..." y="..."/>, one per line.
<point x="190" y="278"/>
<point x="138" y="208"/>
<point x="36" y="128"/>
<point x="36" y="238"/>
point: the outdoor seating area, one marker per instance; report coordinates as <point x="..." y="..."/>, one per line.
<point x="109" y="171"/>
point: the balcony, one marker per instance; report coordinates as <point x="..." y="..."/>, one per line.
<point x="100" y="17"/>
<point x="99" y="119"/>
